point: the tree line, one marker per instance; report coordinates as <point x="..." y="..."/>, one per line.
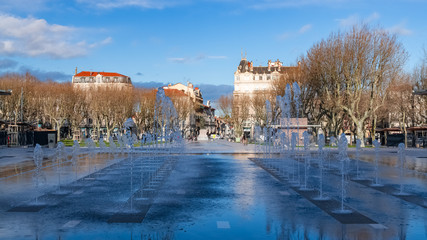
<point x="54" y="104"/>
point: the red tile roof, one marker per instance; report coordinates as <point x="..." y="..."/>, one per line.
<point x="93" y="74"/>
<point x="174" y="92"/>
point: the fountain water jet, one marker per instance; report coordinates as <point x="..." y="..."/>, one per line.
<point x="332" y="142"/>
<point x="295" y="163"/>
<point x="376" y="165"/>
<point x="60" y="156"/>
<point x="321" y="144"/>
<point x="75" y="156"/>
<point x="91" y="153"/>
<point x="38" y="161"/>
<point x="401" y="166"/>
<point x="342" y="154"/>
<point x="306" y="137"/>
<point x="358" y="150"/>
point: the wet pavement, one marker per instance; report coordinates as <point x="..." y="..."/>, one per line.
<point x="215" y="190"/>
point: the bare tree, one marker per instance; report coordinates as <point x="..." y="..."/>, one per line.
<point x="57" y="104"/>
<point x="225" y="104"/>
<point x="399" y="102"/>
<point x="240" y="113"/>
<point x="358" y="69"/>
<point x="144" y="109"/>
<point x="183" y="104"/>
<point x="10" y="105"/>
<point x="419" y="76"/>
<point x="79" y="111"/>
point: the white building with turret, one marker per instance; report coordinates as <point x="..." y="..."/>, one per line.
<point x="248" y="80"/>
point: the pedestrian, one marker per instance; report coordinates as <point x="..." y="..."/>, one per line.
<point x="244" y="139"/>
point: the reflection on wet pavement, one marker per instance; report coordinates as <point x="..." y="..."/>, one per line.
<point x="203" y="196"/>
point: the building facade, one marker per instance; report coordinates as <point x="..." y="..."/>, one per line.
<point x="89" y="79"/>
<point x="250" y="80"/>
<point x="193" y="92"/>
<point x="202" y="119"/>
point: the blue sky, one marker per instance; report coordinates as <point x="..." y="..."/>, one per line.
<point x="170" y="41"/>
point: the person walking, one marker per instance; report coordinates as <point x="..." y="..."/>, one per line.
<point x="244" y="139"/>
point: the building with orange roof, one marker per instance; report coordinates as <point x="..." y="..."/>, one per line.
<point x="193" y="92"/>
<point x="89" y="79"/>
<point x="202" y="119"/>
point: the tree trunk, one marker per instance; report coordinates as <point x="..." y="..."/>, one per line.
<point x="74" y="129"/>
<point x="374" y="127"/>
<point x="360" y="133"/>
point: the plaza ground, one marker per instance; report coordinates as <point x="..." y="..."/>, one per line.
<point x="210" y="190"/>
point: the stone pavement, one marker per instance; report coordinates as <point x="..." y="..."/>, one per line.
<point x="213" y="192"/>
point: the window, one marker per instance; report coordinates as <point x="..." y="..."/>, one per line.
<point x="260" y="77"/>
<point x="116" y="79"/>
<point x="268" y="77"/>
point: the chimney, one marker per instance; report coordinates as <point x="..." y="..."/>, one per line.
<point x="269" y="65"/>
<point x="76" y="71"/>
<point x="252" y="66"/>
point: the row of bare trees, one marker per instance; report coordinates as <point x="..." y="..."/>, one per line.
<point x="352" y="81"/>
<point x="60" y="103"/>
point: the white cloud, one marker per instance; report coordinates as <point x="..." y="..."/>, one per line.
<point x="356" y="19"/>
<point x="178" y="59"/>
<point x="305" y="28"/>
<point x="216" y="57"/>
<point x="150" y="4"/>
<point x="349" y="21"/>
<point x="300" y="31"/>
<point x="269" y="4"/>
<point x="285" y="36"/>
<point x="36" y="37"/>
<point x="197" y="58"/>
<point x="400" y="29"/>
<point x="374" y="16"/>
